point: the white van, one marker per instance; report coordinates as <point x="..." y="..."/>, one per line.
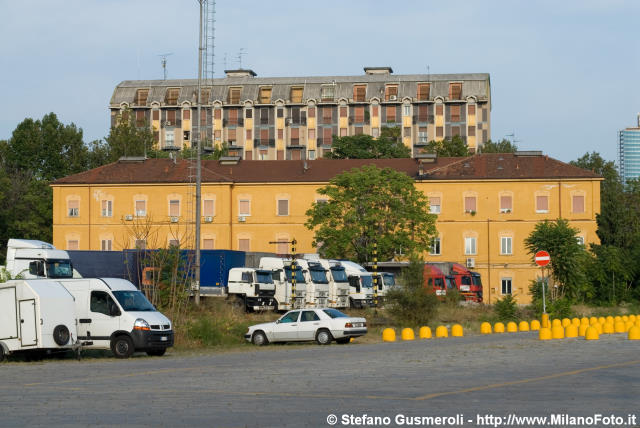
<point x="36" y="315"/>
<point x="113" y="314"/>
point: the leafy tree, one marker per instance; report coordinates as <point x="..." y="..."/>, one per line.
<point x="454" y="147"/>
<point x="568" y="257"/>
<point x="412" y="304"/>
<point x="504" y="146"/>
<point x="371" y="205"/>
<point x="366" y="147"/>
<point x="128" y="139"/>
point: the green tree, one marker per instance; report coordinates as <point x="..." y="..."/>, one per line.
<point x="371" y="205"/>
<point x="411" y="303"/>
<point x="568" y="257"/>
<point x="126" y="138"/>
<point x="454" y="147"/>
<point x="504" y="146"/>
<point x="366" y="147"/>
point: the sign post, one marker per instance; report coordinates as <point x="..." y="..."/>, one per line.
<point x="542" y="259"/>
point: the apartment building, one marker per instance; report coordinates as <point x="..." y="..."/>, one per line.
<point x="293" y="118"/>
<point x="487" y="204"/>
<point x="629" y="152"/>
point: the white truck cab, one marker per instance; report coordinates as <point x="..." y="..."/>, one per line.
<point x="361" y="284"/>
<point x="113" y="314"/>
<point x="386" y="281"/>
<point x="30" y="259"/>
<point x="281" y="272"/>
<point x="338" y="282"/>
<point x="253" y="288"/>
<point x="317" y="283"/>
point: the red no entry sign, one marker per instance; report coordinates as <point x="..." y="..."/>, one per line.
<point x="542" y="258"/>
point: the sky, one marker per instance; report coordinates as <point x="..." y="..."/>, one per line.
<point x="565" y="75"/>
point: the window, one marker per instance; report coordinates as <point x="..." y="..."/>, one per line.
<point x="248" y="113"/>
<point x="107" y="208"/>
<point x="208" y="206"/>
<point x="244" y="244"/>
<point x="248" y="135"/>
<point x="469" y="204"/>
<point x="506" y="285"/>
<point x="343" y="132"/>
<point x="505" y="204"/>
<point x="73" y="245"/>
<point x="312" y="133"/>
<point x="455" y="113"/>
<point x="439" y="131"/>
<point x="374" y="111"/>
<point x="282" y="247"/>
<point x="217" y="113"/>
<point x="205" y="95"/>
<point x="375" y="132"/>
<point x="578" y="204"/>
<point x="141" y="97"/>
<point x="171" y="96"/>
<point x="506" y="245"/>
<point x="327" y="114"/>
<point x="264" y="115"/>
<point x="359" y="93"/>
<point x="233" y="116"/>
<point x="234" y="96"/>
<point x="542" y="204"/>
<point x="141" y="244"/>
<point x="186" y="135"/>
<point x="295" y="136"/>
<point x="391" y="113"/>
<point x="434" y="205"/>
<point x="265" y="95"/>
<point x="580" y="240"/>
<point x="105" y="244"/>
<point x="231" y="136"/>
<point x="327" y="135"/>
<point x="471" y="109"/>
<point x="423" y="113"/>
<point x="73" y="208"/>
<point x="169" y="138"/>
<point x="283" y="207"/>
<point x="470" y="245"/>
<point x="244" y="207"/>
<point x="422" y="135"/>
<point x="174" y="243"/>
<point x="423" y="91"/>
<point x="311" y="112"/>
<point x="439" y="110"/>
<point x="435" y="247"/>
<point x="290" y="317"/>
<point x="471" y="131"/>
<point x="207" y="244"/>
<point x="407" y="131"/>
<point x="391" y="93"/>
<point x="455" y="91"/>
<point x="407" y="110"/>
<point x="296" y="94"/>
<point x="102" y="303"/>
<point x="311" y="154"/>
<point x="141" y="208"/>
<point x="280" y="112"/>
<point x="309" y="316"/>
<point x="358" y="130"/>
<point x="359" y="114"/>
<point x="174" y="208"/>
<point x="327" y="92"/>
<point x="343" y="112"/>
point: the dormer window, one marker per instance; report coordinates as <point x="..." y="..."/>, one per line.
<point x="328" y="92"/>
<point x="141" y="97"/>
<point x="171" y="97"/>
<point x="265" y="95"/>
<point x="391" y="93"/>
<point x="234" y="95"/>
<point x="455" y="91"/>
<point x="423" y="91"/>
<point x="359" y="93"/>
<point x="206" y="94"/>
<point x="296" y="94"/>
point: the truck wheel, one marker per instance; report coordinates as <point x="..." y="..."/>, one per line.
<point x="157" y="352"/>
<point x="122" y="347"/>
<point x="259" y="339"/>
<point x="323" y="337"/>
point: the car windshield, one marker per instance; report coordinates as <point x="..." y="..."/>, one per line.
<point x="299" y="275"/>
<point x="367" y="281"/>
<point x="339" y="274"/>
<point x="133" y="301"/>
<point x="389" y="280"/>
<point x="264" y="277"/>
<point x="334" y="313"/>
<point x="319" y="276"/>
<point x="59" y="269"/>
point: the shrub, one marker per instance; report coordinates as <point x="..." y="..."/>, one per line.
<point x="412" y="304"/>
<point x="506" y="309"/>
<point x="453" y="298"/>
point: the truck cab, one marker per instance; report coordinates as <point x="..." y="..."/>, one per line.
<point x="435" y="280"/>
<point x="282" y="275"/>
<point x="317" y="284"/>
<point x="476" y="285"/>
<point x="338" y="282"/>
<point x="31" y="259"/>
<point x="385" y="281"/>
<point x="253" y="288"/>
<point x="361" y="285"/>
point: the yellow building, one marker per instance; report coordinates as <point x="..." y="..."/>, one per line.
<point x="487" y="204"/>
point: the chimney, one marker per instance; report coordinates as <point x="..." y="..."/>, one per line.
<point x="241" y="72"/>
<point x="378" y="70"/>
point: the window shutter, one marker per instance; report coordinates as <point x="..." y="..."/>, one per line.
<point x="74" y="204"/>
<point x="283" y="207"/>
<point x="470" y="203"/>
<point x="174" y="208"/>
<point x="542" y="203"/>
<point x="207" y="244"/>
<point x="505" y="202"/>
<point x="244" y="207"/>
<point x="208" y="207"/>
<point x="231" y="135"/>
<point x="243" y="244"/>
<point x="578" y="204"/>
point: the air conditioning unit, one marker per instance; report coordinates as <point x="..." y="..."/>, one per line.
<point x="242" y="218"/>
<point x="208" y="219"/>
<point x="288" y="121"/>
<point x="128" y="217"/>
<point x="471" y="262"/>
<point x="174" y="219"/>
<point x="393" y="97"/>
<point x="167" y="123"/>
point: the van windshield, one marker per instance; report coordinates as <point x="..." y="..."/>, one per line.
<point x="59" y="268"/>
<point x="133" y="301"/>
<point x="339" y="274"/>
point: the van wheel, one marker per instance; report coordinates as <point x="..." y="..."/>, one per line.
<point x="157" y="352"/>
<point x="323" y="337"/>
<point x="122" y="347"/>
<point x="259" y="339"/>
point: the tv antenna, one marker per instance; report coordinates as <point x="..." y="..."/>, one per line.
<point x="241" y="51"/>
<point x="513" y="137"/>
<point x="163" y="61"/>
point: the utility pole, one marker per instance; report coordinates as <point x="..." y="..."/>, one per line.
<point x="198" y="160"/>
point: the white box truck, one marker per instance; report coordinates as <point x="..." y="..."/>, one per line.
<point x="36" y="315"/>
<point x="113" y="314"/>
<point x="253" y="289"/>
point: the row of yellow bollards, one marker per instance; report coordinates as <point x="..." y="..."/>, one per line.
<point x="591" y="328"/>
<point x="389" y="334"/>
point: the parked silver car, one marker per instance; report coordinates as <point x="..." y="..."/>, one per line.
<point x="321" y="325"/>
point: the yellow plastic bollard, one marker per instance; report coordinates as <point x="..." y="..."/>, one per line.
<point x="556" y="323"/>
<point x="388" y="335"/>
<point x="593" y="320"/>
<point x="616" y="319"/>
<point x="575" y="321"/>
<point x="425" y="333"/>
<point x="591" y="333"/>
<point x="498" y="327"/>
<point x="565" y="322"/>
<point x="544" y="333"/>
<point x="557" y="332"/>
<point x="619" y="326"/>
<point x="456" y="331"/>
<point x="628" y="325"/>
<point x="598" y="327"/>
<point x="607" y="328"/>
<point x="584" y="321"/>
<point x="610" y="319"/>
<point x="582" y="329"/>
<point x="535" y="325"/>
<point x="632" y="318"/>
<point x="602" y="320"/>
<point x="545" y="321"/>
<point x="485" y="328"/>
<point x="512" y="327"/>
<point x="571" y="331"/>
<point x="634" y="333"/>
<point x="407" y="334"/>
<point x="441" y="331"/>
<point x="523" y="326"/>
<point x="625" y="318"/>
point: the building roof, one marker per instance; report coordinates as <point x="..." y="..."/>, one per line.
<point x="478" y="167"/>
<point x="473" y="84"/>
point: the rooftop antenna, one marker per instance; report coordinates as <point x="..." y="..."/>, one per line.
<point x="225" y="61"/>
<point x="428" y="74"/>
<point x="513" y="137"/>
<point x="241" y="51"/>
<point x="163" y="61"/>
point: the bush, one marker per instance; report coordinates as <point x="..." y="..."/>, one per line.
<point x="506" y="309"/>
<point x="559" y="308"/>
<point x="210" y="331"/>
<point x="412" y="304"/>
<point x="453" y="298"/>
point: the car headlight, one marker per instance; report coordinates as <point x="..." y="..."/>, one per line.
<point x="141" y="324"/>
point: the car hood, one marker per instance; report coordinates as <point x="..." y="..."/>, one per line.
<point x="263" y="326"/>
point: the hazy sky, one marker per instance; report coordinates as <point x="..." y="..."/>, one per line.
<point x="565" y="75"/>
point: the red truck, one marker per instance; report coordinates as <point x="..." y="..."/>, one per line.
<point x="463" y="278"/>
<point x="435" y="279"/>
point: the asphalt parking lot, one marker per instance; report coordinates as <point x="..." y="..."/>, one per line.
<point x="301" y="385"/>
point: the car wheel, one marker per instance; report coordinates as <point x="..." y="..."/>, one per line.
<point x="259" y="339"/>
<point x="343" y="340"/>
<point x="122" y="347"/>
<point x="323" y="337"/>
<point x="2" y="354"/>
<point x="157" y="352"/>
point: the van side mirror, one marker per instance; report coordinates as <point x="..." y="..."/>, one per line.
<point x="354" y="281"/>
<point x="36" y="268"/>
<point x="113" y="310"/>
